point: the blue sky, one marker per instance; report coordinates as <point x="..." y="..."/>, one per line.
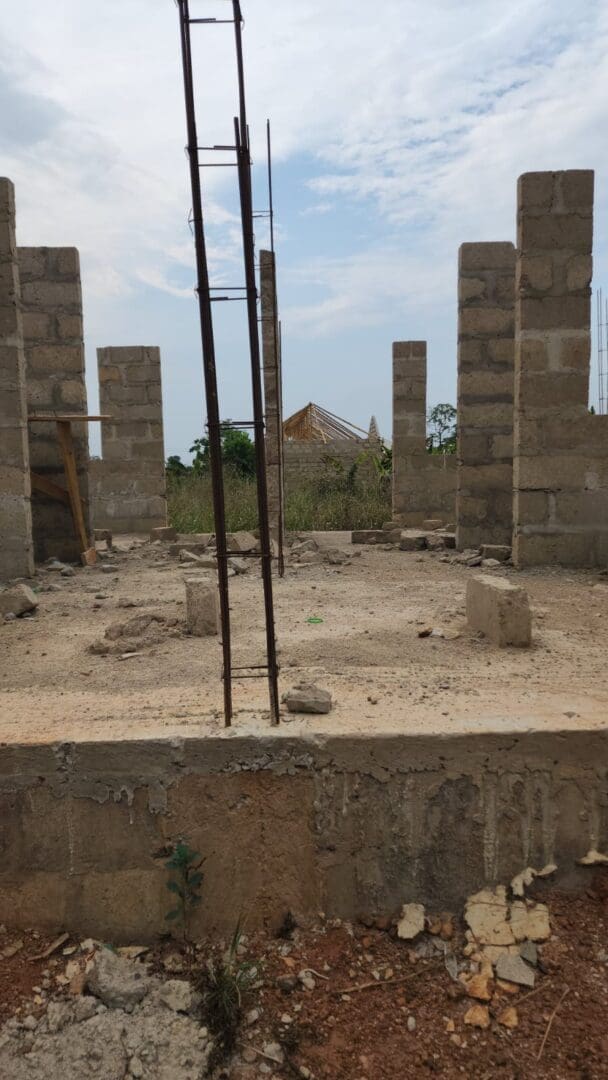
<point x="399" y="131"/>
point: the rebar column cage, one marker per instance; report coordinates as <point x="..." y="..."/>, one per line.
<point x="241" y="148"/>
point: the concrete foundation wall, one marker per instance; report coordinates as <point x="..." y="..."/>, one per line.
<point x="424" y="485"/>
<point x="51" y="299"/>
<point x="129" y="481"/>
<point x="486" y="323"/>
<point x="16" y="548"/>
<point x="273" y="394"/>
<point x="347" y="825"/>
<point x="560" y="450"/>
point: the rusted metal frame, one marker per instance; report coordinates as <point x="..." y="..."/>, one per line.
<point x="209" y="365"/>
<point x="244" y="176"/>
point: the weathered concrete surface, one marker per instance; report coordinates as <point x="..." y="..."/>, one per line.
<point x="560" y="463"/>
<point x="342" y="824"/>
<point x="424" y="485"/>
<point x="500" y="610"/>
<point x="486" y="316"/>
<point x="51" y="300"/>
<point x="273" y="393"/>
<point x="16" y="548"/>
<point x="129" y="482"/>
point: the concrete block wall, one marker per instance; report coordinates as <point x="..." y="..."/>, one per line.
<point x="129" y="482"/>
<point x="560" y="464"/>
<point x="486" y="325"/>
<point x="51" y="299"/>
<point x="16" y="548"/>
<point x="307" y="461"/>
<point x="273" y="393"/>
<point x="424" y="485"/>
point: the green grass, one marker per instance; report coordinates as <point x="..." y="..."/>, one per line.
<point x="340" y="501"/>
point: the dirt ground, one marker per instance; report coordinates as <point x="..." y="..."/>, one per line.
<point x="366" y="650"/>
<point x="374" y="1007"/>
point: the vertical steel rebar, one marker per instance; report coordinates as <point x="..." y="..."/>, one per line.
<point x="209" y="366"/>
<point x="278" y="366"/>
<point x="244" y="174"/>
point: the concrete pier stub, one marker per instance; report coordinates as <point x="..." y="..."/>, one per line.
<point x="130" y="484"/>
<point x="51" y="299"/>
<point x="486" y="323"/>
<point x="273" y="393"/>
<point x="16" y="548"/>
<point x="424" y="484"/>
<point x="560" y="462"/>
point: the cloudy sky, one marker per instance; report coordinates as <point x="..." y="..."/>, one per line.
<point x="399" y="129"/>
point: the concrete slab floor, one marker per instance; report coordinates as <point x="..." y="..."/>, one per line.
<point x="384" y="678"/>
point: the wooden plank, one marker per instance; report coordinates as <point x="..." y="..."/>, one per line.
<point x="49" y="487"/>
<point x="64" y="434"/>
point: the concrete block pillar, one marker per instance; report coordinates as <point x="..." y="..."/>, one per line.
<point x="486" y="323"/>
<point x="51" y="298"/>
<point x="130" y="484"/>
<point x="409" y="416"/>
<point x="560" y="476"/>
<point x="16" y="548"/>
<point x="424" y="485"/>
<point x="273" y="393"/>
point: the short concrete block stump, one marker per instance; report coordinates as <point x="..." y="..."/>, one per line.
<point x="165" y="532"/>
<point x="431" y="524"/>
<point x="412" y="540"/>
<point x="202" y="609"/>
<point x="502" y="552"/>
<point x="368" y="536"/>
<point x="499" y="610"/>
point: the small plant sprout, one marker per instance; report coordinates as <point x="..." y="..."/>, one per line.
<point x="223" y="985"/>
<point x="185" y="883"/>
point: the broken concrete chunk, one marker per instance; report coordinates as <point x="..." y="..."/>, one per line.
<point x="411" y="922"/>
<point x="116" y="981"/>
<point x="593" y="858"/>
<point x="178" y="995"/>
<point x="514" y="969"/>
<point x="449" y="539"/>
<point x="165" y="532"/>
<point x="500" y="610"/>
<point x="489" y="564"/>
<point x="412" y="540"/>
<point x="526" y="877"/>
<point x="487" y="914"/>
<point x="508" y="1017"/>
<point x="307" y="698"/>
<point x="537" y="924"/>
<point x="311" y="558"/>
<point x="501" y="552"/>
<point x="202" y="609"/>
<point x="304" y="545"/>
<point x="368" y="536"/>
<point x="478" y="986"/>
<point x="336" y="557"/>
<point x="17" y="600"/>
<point x="431" y="524"/>
<point x="477" y="1016"/>
<point x="241" y="541"/>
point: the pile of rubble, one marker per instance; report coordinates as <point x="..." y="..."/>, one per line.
<point x="116" y="1022"/>
<point x="435" y="537"/>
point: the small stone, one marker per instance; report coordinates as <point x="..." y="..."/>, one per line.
<point x="118" y="982"/>
<point x="253" y="1016"/>
<point x="107" y="568"/>
<point x="287" y="983"/>
<point x="249" y="1055"/>
<point x="411" y="922"/>
<point x="68" y="571"/>
<point x="477" y="1016"/>
<point x="165" y="532"/>
<point x="307" y="698"/>
<point x="135" y="1067"/>
<point x="514" y="969"/>
<point x="411" y="1023"/>
<point x="307" y="980"/>
<point x="30" y="1023"/>
<point x="508" y="1017"/>
<point x="273" y="1051"/>
<point x="529" y="952"/>
<point x="486" y="913"/>
<point x="178" y="995"/>
<point x="478" y="986"/>
<point x="489" y="564"/>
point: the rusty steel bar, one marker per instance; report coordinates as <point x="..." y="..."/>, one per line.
<point x="278" y="365"/>
<point x="244" y="175"/>
<point x="208" y="348"/>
